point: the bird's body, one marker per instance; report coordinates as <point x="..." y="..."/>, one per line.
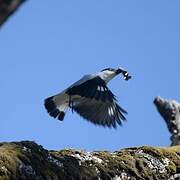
<point x="90" y="98"/>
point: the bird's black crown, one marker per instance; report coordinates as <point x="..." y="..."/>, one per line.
<point x="110" y="69"/>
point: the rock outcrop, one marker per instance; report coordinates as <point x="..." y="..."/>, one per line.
<point x="27" y="160"/>
<point x="170" y="111"/>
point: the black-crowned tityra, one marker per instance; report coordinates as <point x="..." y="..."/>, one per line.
<point x="90" y="98"/>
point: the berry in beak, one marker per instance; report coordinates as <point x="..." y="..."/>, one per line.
<point x="124" y="72"/>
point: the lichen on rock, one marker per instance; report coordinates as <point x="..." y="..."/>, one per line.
<point x="28" y="160"/>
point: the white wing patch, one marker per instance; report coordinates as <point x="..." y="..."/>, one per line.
<point x="114" y="109"/>
<point x="63" y="107"/>
<point x="110" y="111"/>
<point x="100" y="88"/>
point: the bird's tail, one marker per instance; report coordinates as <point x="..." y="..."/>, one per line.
<point x="54" y="109"/>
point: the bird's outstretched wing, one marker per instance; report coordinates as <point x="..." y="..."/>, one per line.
<point x="94" y="88"/>
<point x="107" y="114"/>
<point x="96" y="103"/>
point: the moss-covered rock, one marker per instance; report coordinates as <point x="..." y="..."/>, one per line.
<point x="27" y="160"/>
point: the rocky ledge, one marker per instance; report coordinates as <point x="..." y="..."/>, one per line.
<point x="30" y="161"/>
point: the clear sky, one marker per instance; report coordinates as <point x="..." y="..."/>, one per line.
<point x="47" y="45"/>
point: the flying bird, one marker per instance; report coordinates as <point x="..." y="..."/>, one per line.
<point x="90" y="98"/>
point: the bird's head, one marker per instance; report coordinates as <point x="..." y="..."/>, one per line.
<point x="114" y="72"/>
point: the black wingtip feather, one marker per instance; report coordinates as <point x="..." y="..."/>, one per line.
<point x="54" y="113"/>
<point x="61" y="115"/>
<point x="49" y="104"/>
<point x="52" y="109"/>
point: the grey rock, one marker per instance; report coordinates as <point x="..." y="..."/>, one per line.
<point x="170" y="111"/>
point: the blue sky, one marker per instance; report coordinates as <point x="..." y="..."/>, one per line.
<point x="47" y="46"/>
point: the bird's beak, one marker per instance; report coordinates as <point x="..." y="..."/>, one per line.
<point x="124" y="72"/>
<point x="118" y="71"/>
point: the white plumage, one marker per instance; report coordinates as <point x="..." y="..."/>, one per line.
<point x="90" y="98"/>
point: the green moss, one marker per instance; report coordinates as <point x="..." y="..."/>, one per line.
<point x="137" y="163"/>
